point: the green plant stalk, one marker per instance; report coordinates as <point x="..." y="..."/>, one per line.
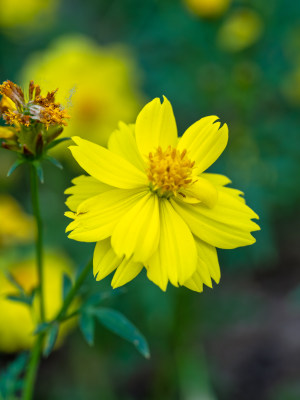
<point x="39" y="238"/>
<point x="37" y="349"/>
<point x="61" y="316"/>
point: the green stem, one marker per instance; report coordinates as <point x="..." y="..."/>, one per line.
<point x="39" y="238"/>
<point x="37" y="348"/>
<point x="74" y="290"/>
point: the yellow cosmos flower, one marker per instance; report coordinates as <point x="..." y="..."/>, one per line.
<point x="241" y="30"/>
<point x="16" y="226"/>
<point x="100" y="83"/>
<point x="18" y="320"/>
<point x="148" y="202"/>
<point x="208" y="8"/>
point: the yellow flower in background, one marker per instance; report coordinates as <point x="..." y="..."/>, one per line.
<point x="149" y="203"/>
<point x="240" y="30"/>
<point x="18" y="320"/>
<point x="101" y="84"/>
<point x="208" y="8"/>
<point x="16" y="226"/>
<point x="29" y="14"/>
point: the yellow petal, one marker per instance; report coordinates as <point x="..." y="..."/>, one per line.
<point x="203" y="191"/>
<point x="216" y="179"/>
<point x="84" y="187"/>
<point x="137" y="232"/>
<point x="220" y="181"/>
<point x="125" y="272"/>
<point x="155" y="126"/>
<point x="6" y="133"/>
<point x="122" y="142"/>
<point x="207" y="267"/>
<point x="105" y="259"/>
<point x="227" y="225"/>
<point x="97" y="217"/>
<point x="176" y="257"/>
<point x="106" y="166"/>
<point x="204" y="142"/>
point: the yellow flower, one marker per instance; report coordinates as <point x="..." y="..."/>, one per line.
<point x="149" y="203"/>
<point x="208" y="8"/>
<point x="101" y="84"/>
<point x="241" y="30"/>
<point x="15" y="226"/>
<point x="17" y="320"/>
<point x="29" y="14"/>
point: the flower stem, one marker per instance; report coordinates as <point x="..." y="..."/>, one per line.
<point x="39" y="238"/>
<point x="37" y="348"/>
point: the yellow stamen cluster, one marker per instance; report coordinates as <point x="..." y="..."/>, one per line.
<point x="169" y="170"/>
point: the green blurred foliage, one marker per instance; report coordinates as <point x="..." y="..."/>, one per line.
<point x="256" y="91"/>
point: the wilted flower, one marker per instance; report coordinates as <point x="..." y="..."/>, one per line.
<point x="101" y="83"/>
<point x="16" y="226"/>
<point x="149" y="203"/>
<point x="208" y="8"/>
<point x="17" y="320"/>
<point x="34" y="121"/>
<point x="240" y="30"/>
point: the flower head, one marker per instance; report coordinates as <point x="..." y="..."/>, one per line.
<point x="35" y="121"/>
<point x="149" y="203"/>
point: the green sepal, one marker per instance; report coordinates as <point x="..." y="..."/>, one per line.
<point x="15" y="165"/>
<point x="39" y="170"/>
<point x="56" y="142"/>
<point x="54" y="161"/>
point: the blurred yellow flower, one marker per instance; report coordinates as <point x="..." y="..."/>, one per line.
<point x="17" y="320"/>
<point x="241" y="29"/>
<point x="149" y="203"/>
<point x="15" y="226"/>
<point x="29" y="14"/>
<point x="101" y="84"/>
<point x="208" y="8"/>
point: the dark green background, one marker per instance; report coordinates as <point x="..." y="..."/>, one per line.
<point x="240" y="340"/>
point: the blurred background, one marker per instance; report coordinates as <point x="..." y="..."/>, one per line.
<point x="237" y="59"/>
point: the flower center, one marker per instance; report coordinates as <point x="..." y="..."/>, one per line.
<point x="169" y="170"/>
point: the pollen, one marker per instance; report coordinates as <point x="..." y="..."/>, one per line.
<point x="169" y="170"/>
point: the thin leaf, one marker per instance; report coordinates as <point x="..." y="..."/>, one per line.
<point x="67" y="285"/>
<point x="21" y="299"/>
<point x="55" y="162"/>
<point x="120" y="325"/>
<point x="87" y="327"/>
<point x="40" y="172"/>
<point x="57" y="141"/>
<point x="42" y="327"/>
<point x="99" y="297"/>
<point x="15" y="165"/>
<point x="50" y="339"/>
<point x="13" y="281"/>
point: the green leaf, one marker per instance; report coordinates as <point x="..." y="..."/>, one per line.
<point x="120" y="325"/>
<point x="57" y="141"/>
<point x="40" y="172"/>
<point x="42" y="327"/>
<point x="55" y="162"/>
<point x="50" y="339"/>
<point x="67" y="285"/>
<point x="13" y="281"/>
<point x="87" y="327"/>
<point x="10" y="382"/>
<point x="15" y="165"/>
<point x="21" y="299"/>
<point x="99" y="297"/>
